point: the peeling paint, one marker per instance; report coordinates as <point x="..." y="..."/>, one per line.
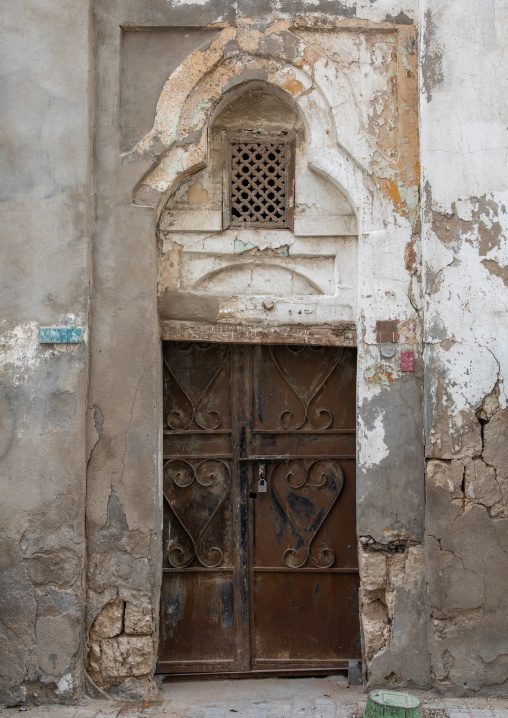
<point x="464" y="231"/>
<point x="19" y="347"/>
<point x="346" y="77"/>
<point x="21" y="353"/>
<point x="197" y="194"/>
<point x="373" y="448"/>
<point x="249" y="248"/>
<point x="65" y="684"/>
<point x="382" y="374"/>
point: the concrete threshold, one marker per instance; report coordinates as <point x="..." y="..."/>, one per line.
<point x="328" y="697"/>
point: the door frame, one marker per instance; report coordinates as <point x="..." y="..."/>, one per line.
<point x="340" y="334"/>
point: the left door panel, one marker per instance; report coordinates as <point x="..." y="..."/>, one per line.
<point x="202" y="629"/>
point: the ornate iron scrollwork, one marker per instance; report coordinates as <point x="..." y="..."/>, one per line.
<point x="306" y="492"/>
<point x="307" y="397"/>
<point x="188" y="408"/>
<point x="211" y="479"/>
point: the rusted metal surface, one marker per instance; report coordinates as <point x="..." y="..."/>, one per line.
<point x="341" y="334"/>
<point x="303" y="573"/>
<point x="387" y="331"/>
<point x="260" y="565"/>
<point x="203" y="604"/>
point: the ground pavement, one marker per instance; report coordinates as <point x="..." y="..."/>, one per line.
<point x="261" y="698"/>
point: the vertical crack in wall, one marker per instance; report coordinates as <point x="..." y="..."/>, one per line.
<point x="467" y="541"/>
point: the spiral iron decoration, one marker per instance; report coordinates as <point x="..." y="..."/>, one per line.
<point x="306" y="493"/>
<point x="310" y="412"/>
<point x="184" y="417"/>
<point x="181" y="475"/>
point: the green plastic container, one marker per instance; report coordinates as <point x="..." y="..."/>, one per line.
<point x="392" y="704"/>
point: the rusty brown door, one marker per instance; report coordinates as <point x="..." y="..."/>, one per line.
<point x="260" y="564"/>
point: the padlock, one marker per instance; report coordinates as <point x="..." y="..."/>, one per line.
<point x="262" y="486"/>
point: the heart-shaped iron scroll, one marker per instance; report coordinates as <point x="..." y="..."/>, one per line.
<point x="307" y="494"/>
<point x="319" y="365"/>
<point x="190" y="370"/>
<point x="195" y="495"/>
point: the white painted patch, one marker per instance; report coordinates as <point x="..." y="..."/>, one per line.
<point x="499" y="253"/>
<point x="468" y="306"/>
<point x="464" y="135"/>
<point x="19" y="347"/>
<point x="473" y="370"/>
<point x="475" y="156"/>
<point x="189" y="2"/>
<point x="372" y="442"/>
<point x="65" y="684"/>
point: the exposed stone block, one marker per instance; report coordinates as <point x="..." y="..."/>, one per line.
<point x="396" y="572"/>
<point x="376" y="628"/>
<point x="446" y="474"/>
<point x="489" y="407"/>
<point x="138" y="618"/>
<point x="481" y="483"/>
<point x="109" y="622"/>
<point x="94" y="659"/>
<point x="495" y="450"/>
<point x="373" y="570"/>
<point x="127" y="656"/>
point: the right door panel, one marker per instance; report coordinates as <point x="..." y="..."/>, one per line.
<point x="303" y="556"/>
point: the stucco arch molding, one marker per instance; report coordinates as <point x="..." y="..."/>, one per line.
<point x="195" y="88"/>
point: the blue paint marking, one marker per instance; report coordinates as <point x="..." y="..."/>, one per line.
<point x="242" y="246"/>
<point x="60" y="335"/>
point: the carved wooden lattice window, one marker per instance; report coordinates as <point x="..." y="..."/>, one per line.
<point x="261" y="181"/>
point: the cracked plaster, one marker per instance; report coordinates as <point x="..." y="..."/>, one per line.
<point x="464" y="256"/>
<point x="464" y="232"/>
<point x="339" y="151"/>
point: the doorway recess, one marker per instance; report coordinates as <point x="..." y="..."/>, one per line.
<point x="260" y="565"/>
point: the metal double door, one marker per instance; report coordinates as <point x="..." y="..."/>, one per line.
<point x="259" y="542"/>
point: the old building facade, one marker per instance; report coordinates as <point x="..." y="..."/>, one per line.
<point x="281" y="228"/>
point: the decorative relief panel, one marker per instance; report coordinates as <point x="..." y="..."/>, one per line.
<point x="255" y="176"/>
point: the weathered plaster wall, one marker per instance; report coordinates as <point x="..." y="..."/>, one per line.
<point x="45" y="219"/>
<point x="371" y="152"/>
<point x="465" y="193"/>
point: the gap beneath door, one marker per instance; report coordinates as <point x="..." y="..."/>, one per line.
<point x="326" y="697"/>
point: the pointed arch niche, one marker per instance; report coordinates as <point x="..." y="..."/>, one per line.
<point x="256" y="279"/>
